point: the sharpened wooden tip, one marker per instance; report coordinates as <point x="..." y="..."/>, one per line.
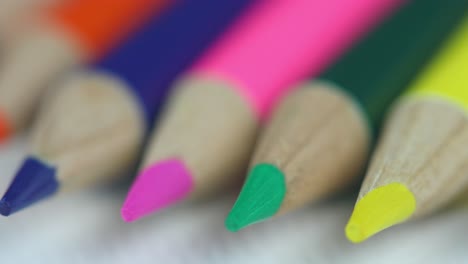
<point x="91" y="128"/>
<point x="319" y="138"/>
<point x="208" y="126"/>
<point x="28" y="66"/>
<point x="379" y="209"/>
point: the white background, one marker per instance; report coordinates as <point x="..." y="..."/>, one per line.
<point x="86" y="227"/>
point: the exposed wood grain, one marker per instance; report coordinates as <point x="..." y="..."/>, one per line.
<point x="425" y="147"/>
<point x="23" y="80"/>
<point x="91" y="129"/>
<point x="197" y="127"/>
<point x="318" y="139"/>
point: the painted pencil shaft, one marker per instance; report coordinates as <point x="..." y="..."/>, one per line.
<point x="318" y="140"/>
<point x="206" y="135"/>
<point x="375" y="72"/>
<point x="421" y="161"/>
<point x="75" y="32"/>
<point x="110" y="105"/>
<point x="169" y="45"/>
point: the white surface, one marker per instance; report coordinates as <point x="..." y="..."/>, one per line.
<point x="86" y="228"/>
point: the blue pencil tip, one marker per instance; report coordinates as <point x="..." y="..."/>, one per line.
<point x="5" y="208"/>
<point x="35" y="181"/>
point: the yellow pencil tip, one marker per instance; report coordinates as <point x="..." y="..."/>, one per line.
<point x="379" y="209"/>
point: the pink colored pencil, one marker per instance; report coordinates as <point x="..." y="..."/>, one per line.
<point x="204" y="140"/>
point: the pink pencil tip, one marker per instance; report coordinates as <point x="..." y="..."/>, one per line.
<point x="127" y="215"/>
<point x="158" y="186"/>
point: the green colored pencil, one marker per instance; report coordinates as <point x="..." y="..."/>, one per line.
<point x="320" y="136"/>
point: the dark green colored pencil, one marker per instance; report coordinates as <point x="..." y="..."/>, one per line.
<point x="376" y="70"/>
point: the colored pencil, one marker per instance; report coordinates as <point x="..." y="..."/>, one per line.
<point x="76" y="31"/>
<point x="90" y="131"/>
<point x="421" y="162"/>
<point x="205" y="138"/>
<point x="319" y="137"/>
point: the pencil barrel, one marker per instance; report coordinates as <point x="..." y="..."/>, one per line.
<point x="378" y="68"/>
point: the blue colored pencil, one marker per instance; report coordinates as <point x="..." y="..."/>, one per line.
<point x="91" y="129"/>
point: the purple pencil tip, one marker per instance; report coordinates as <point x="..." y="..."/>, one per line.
<point x="34" y="181"/>
<point x="5" y="208"/>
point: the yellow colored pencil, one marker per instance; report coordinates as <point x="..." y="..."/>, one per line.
<point x="421" y="161"/>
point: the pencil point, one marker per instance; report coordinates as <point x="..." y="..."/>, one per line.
<point x="5" y="127"/>
<point x="260" y="197"/>
<point x="5" y="208"/>
<point x="158" y="186"/>
<point x="379" y="209"/>
<point x="33" y="182"/>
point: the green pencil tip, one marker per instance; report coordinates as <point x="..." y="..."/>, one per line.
<point x="260" y="198"/>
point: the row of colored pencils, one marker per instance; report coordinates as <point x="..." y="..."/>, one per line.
<point x="231" y="80"/>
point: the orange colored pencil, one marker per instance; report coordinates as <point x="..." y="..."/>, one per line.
<point x="74" y="32"/>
